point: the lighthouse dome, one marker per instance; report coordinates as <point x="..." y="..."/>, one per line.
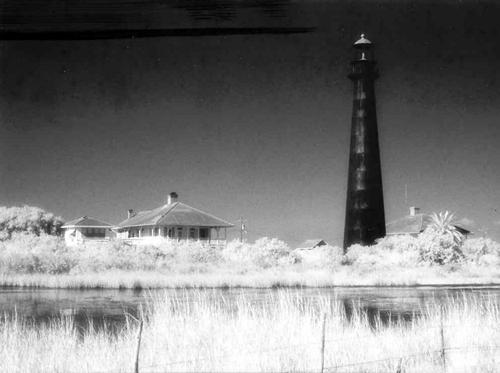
<point x="362" y="42"/>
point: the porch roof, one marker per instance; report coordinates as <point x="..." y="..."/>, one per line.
<point x="178" y="214"/>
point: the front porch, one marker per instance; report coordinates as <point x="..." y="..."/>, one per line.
<point x="154" y="235"/>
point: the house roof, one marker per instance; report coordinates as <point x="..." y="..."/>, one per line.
<point x="86" y="222"/>
<point x="176" y="213"/>
<point x="413" y="224"/>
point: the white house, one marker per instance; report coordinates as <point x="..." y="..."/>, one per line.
<point x="86" y="229"/>
<point x="173" y="221"/>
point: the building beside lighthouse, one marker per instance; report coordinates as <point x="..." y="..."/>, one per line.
<point x="85" y="230"/>
<point x="174" y="221"/>
<point x="416" y="222"/>
<point x="365" y="217"/>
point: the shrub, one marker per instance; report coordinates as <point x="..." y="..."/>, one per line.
<point x="263" y="253"/>
<point x="441" y="243"/>
<point x="28" y="253"/>
<point x="483" y="251"/>
<point x="28" y="219"/>
<point x="194" y="252"/>
<point x="237" y="252"/>
<point x="176" y="256"/>
<point x="438" y="249"/>
<point x="320" y="257"/>
<point x="96" y="257"/>
<point x="271" y="252"/>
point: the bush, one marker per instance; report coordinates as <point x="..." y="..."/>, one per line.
<point x="320" y="257"/>
<point x="439" y="244"/>
<point x="264" y="253"/>
<point x="28" y="253"/>
<point x="271" y="252"/>
<point x="93" y="257"/>
<point x="482" y="251"/>
<point x="430" y="247"/>
<point x="28" y="219"/>
<point x="175" y="256"/>
<point x="391" y="251"/>
<point x="439" y="249"/>
<point x="237" y="252"/>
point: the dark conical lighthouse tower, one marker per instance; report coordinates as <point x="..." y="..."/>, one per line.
<point x="364" y="218"/>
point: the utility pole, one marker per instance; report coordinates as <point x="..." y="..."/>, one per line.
<point x="243" y="228"/>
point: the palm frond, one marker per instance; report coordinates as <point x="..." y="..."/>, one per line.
<point x="442" y="223"/>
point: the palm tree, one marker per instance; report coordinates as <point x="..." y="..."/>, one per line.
<point x="442" y="224"/>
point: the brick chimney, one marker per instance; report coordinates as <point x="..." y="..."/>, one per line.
<point x="172" y="198"/>
<point x="414" y="210"/>
<point x="130" y="213"/>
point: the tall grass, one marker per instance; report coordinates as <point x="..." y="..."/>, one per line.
<point x="206" y="332"/>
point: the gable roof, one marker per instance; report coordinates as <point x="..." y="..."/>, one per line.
<point x="176" y="213"/>
<point x="86" y="222"/>
<point x="414" y="224"/>
<point x="313" y="243"/>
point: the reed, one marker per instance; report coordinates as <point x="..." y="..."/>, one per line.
<point x="282" y="332"/>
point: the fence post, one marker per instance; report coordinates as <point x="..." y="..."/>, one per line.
<point x="139" y="336"/>
<point x="323" y="343"/>
<point x="399" y="369"/>
<point x="443" y="353"/>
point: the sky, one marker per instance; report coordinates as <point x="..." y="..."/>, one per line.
<point x="252" y="125"/>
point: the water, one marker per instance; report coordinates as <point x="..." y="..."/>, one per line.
<point x="108" y="307"/>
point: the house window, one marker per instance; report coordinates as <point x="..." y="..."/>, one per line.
<point x="156" y="231"/>
<point x="179" y="232"/>
<point x="169" y="232"/>
<point x="203" y="233"/>
<point x="192" y="233"/>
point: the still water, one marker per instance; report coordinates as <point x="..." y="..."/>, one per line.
<point x="108" y="307"/>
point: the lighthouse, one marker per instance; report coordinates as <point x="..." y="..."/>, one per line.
<point x="365" y="217"/>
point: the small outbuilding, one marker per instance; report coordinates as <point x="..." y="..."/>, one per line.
<point x="86" y="229"/>
<point x="173" y="221"/>
<point x="312" y="244"/>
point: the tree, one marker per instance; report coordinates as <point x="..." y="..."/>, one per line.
<point x="441" y="242"/>
<point x="28" y="219"/>
<point x="442" y="224"/>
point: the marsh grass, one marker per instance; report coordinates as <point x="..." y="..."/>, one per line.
<point x="204" y="331"/>
<point x="296" y="276"/>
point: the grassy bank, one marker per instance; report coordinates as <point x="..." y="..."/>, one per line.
<point x="283" y="333"/>
<point x="270" y="278"/>
<point x="45" y="261"/>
